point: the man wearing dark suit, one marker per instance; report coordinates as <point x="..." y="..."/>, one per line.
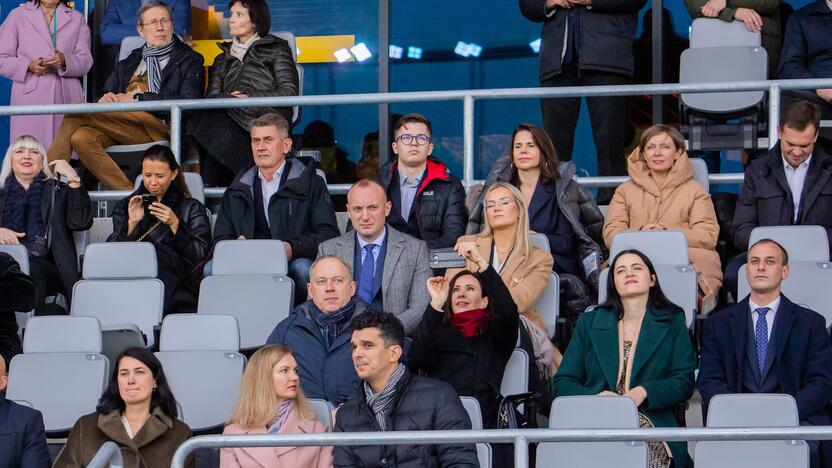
<point x="390" y="268"/>
<point x="22" y="436"/>
<point x="767" y="344"/>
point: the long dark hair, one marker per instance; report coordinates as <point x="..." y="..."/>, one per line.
<point x="164" y="154"/>
<point x="548" y="153"/>
<point x="161" y="398"/>
<point x="656" y="297"/>
<point x="448" y="314"/>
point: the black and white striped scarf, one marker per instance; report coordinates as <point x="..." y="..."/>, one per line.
<point x="380" y="402"/>
<point x="152" y="56"/>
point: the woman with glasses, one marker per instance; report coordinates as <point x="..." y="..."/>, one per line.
<point x="253" y="64"/>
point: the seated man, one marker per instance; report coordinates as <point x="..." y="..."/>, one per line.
<point x="391" y="399"/>
<point x="18" y="296"/>
<point x="164" y="68"/>
<point x="279" y="198"/>
<point x="392" y="268"/>
<point x="789" y="185"/>
<point x="318" y="332"/>
<point x="767" y="344"/>
<point x="428" y="201"/>
<point x="22" y="436"/>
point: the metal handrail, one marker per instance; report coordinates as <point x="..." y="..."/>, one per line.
<point x="519" y="437"/>
<point x="109" y="455"/>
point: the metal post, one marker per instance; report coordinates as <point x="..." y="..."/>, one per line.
<point x="176" y="132"/>
<point x="521" y="452"/>
<point x="383" y="80"/>
<point x="773" y="113"/>
<point x="658" y="57"/>
<point x="468" y="141"/>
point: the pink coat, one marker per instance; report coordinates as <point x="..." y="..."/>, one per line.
<point x="278" y="457"/>
<point x="24" y="36"/>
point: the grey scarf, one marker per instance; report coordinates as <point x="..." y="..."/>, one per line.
<point x="380" y="402"/>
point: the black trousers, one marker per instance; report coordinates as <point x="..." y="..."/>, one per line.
<point x="606" y="114"/>
<point x="47" y="281"/>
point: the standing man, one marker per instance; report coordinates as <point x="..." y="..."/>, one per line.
<point x="428" y="201"/>
<point x="391" y="399"/>
<point x="587" y="43"/>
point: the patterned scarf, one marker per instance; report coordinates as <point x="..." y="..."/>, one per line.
<point x="543" y="349"/>
<point x="282" y="415"/>
<point x="152" y="56"/>
<point x="380" y="402"/>
<point x="22" y="212"/>
<point x="331" y="324"/>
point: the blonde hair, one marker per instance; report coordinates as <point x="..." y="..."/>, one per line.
<point x="256" y="404"/>
<point x="28" y="142"/>
<point x="523" y="233"/>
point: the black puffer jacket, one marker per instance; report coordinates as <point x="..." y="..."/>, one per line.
<point x="267" y="69"/>
<point x="18" y="294"/>
<point x="420" y="404"/>
<point x="300" y="213"/>
<point x="439" y="206"/>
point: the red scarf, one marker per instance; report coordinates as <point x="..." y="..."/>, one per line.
<point x="469" y="322"/>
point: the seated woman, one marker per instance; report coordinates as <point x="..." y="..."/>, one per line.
<point x="161" y="211"/>
<point x="137" y="411"/>
<point x="254" y="64"/>
<point x="638" y="338"/>
<point x="466" y="339"/>
<point x="41" y="213"/>
<point x="662" y="194"/>
<point x="271" y="402"/>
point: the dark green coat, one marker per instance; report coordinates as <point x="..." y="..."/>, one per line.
<point x="663" y="365"/>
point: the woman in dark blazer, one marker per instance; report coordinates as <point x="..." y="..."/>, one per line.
<point x="253" y="64"/>
<point x="176" y="224"/>
<point x="468" y="333"/>
<point x="637" y="345"/>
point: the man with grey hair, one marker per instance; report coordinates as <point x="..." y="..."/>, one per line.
<point x="318" y="332"/>
<point x="164" y="68"/>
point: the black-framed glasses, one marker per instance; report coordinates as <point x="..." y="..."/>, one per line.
<point x="408" y="139"/>
<point x="164" y="22"/>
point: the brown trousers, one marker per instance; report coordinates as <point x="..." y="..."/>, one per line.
<point x="89" y="134"/>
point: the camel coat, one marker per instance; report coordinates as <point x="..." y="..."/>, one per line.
<point x="278" y="457"/>
<point x="680" y="204"/>
<point x="526" y="277"/>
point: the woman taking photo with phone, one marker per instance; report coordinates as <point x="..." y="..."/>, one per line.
<point x="162" y="212"/>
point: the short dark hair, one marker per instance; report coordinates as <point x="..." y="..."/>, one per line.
<point x="161" y="398"/>
<point x="655" y="297"/>
<point x="148" y="6"/>
<point x="389" y="326"/>
<point x="799" y="115"/>
<point x="413" y="118"/>
<point x="272" y="119"/>
<point x="258" y="11"/>
<point x="771" y="241"/>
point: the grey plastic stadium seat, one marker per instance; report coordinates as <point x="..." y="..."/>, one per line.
<point x="548" y="304"/>
<point x="259" y="302"/>
<point x="19" y="253"/>
<point x="713" y="32"/>
<point x="472" y="407"/>
<point x="808" y="285"/>
<point x="803" y="243"/>
<point x="540" y="241"/>
<point x="194" y="182"/>
<point x="752" y="410"/>
<point x="661" y="247"/>
<point x="250" y="257"/>
<point x="322" y="410"/>
<point x="54" y="360"/>
<point x="700" y="172"/>
<point x="722" y="64"/>
<point x="516" y="375"/>
<point x="189" y="346"/>
<point x="120" y="260"/>
<point x="592" y="412"/>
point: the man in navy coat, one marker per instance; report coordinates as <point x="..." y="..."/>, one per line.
<point x="22" y="437"/>
<point x="767" y="344"/>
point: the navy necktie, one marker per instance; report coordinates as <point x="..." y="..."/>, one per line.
<point x="761" y="334"/>
<point x="368" y="268"/>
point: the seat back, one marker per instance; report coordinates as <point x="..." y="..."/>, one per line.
<point x="678" y="284"/>
<point x="807" y="285"/>
<point x="548" y="304"/>
<point x="723" y="64"/>
<point x="62" y="334"/>
<point x="516" y="375"/>
<point x="803" y="243"/>
<point x="258" y="302"/>
<point x="322" y="410"/>
<point x="128" y="45"/>
<point x="120" y="260"/>
<point x="713" y="32"/>
<point x="540" y="241"/>
<point x="700" y="172"/>
<point x="199" y="332"/>
<point x="472" y="407"/>
<point x="753" y="410"/>
<point x="19" y="253"/>
<point x="120" y="302"/>
<point x="661" y="247"/>
<point x="250" y="257"/>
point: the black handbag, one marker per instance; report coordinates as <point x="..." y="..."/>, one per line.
<point x="509" y="415"/>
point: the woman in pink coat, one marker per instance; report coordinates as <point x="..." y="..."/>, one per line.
<point x="44" y="50"/>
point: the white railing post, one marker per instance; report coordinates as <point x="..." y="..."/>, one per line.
<point x="176" y="132"/>
<point x="468" y="141"/>
<point x="521" y="452"/>
<point x="773" y="113"/>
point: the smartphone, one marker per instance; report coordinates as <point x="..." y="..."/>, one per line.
<point x="147" y="199"/>
<point x="446" y="258"/>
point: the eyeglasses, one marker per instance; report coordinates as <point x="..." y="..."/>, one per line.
<point x="504" y="202"/>
<point x="408" y="139"/>
<point x="164" y="22"/>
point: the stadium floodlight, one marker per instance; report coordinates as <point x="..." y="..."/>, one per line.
<point x="361" y="52"/>
<point x="535" y="45"/>
<point x="342" y="55"/>
<point x="414" y="52"/>
<point x="466" y="49"/>
<point x="396" y="52"/>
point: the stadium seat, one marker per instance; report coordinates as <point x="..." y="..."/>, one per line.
<point x="807" y="285"/>
<point x="472" y="407"/>
<point x="191" y="345"/>
<point x="323" y="411"/>
<point x="540" y="241"/>
<point x="21" y="255"/>
<point x="548" y="304"/>
<point x="713" y="32"/>
<point x="259" y="302"/>
<point x="516" y="375"/>
<point x="592" y="412"/>
<point x="752" y="410"/>
<point x="803" y="243"/>
<point x="250" y="257"/>
<point x="120" y="260"/>
<point x="194" y="182"/>
<point x="661" y="247"/>
<point x="61" y="372"/>
<point x="700" y="172"/>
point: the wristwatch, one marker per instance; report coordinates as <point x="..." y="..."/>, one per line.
<point x="74" y="180"/>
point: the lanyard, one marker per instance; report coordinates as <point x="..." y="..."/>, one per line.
<point x="55" y="28"/>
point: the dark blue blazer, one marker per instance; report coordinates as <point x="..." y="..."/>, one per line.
<point x="22" y="437"/>
<point x="545" y="217"/>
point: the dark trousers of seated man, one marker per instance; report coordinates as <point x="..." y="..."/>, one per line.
<point x="89" y="134"/>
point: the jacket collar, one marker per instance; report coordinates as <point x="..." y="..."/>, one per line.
<point x="176" y="56"/>
<point x="820" y="7"/>
<point x="815" y="182"/>
<point x="436" y="170"/>
<point x="301" y="319"/>
<point x="265" y="456"/>
<point x="396" y="242"/>
<point x="298" y="181"/>
<point x="225" y="46"/>
<point x="156" y="426"/>
<point x="34" y="15"/>
<point x="738" y="324"/>
<point x="681" y="172"/>
<point x="543" y="194"/>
